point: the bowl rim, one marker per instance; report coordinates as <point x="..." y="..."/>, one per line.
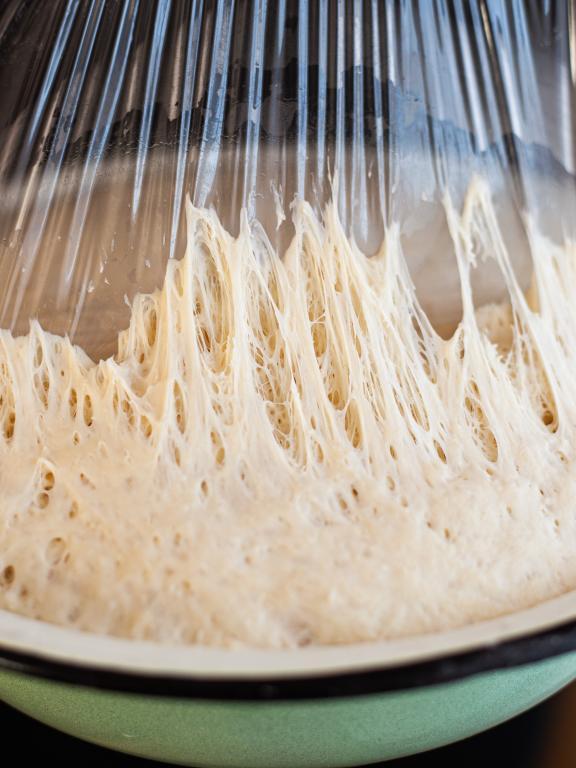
<point x="67" y="655"/>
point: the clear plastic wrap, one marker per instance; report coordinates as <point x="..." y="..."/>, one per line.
<point x="114" y="111"/>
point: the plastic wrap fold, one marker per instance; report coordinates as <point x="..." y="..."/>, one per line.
<point x="113" y="111"/>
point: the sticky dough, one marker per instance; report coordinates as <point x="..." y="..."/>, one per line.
<point x="283" y="451"/>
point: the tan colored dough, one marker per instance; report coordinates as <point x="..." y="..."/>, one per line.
<point x="285" y="452"/>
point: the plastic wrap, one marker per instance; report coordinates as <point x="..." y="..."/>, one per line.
<point x="113" y="112"/>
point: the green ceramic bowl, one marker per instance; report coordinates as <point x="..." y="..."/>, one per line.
<point x="311" y="707"/>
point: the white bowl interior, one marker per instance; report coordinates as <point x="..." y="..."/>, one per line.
<point x="37" y="638"/>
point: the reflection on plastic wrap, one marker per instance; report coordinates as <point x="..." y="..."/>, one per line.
<point x="113" y="111"/>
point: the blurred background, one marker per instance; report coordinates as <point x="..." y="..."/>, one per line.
<point x="545" y="737"/>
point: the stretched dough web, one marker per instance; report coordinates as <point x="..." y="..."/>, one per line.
<point x="283" y="451"/>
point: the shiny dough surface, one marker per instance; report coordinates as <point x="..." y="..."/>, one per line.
<point x="285" y="452"/>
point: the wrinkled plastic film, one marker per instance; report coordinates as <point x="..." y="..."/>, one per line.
<point x="113" y="112"/>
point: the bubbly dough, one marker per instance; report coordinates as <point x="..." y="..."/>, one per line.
<point x="284" y="452"/>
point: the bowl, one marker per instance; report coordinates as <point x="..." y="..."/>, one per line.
<point x="331" y="706"/>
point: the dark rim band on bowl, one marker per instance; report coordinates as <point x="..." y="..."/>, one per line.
<point x="511" y="653"/>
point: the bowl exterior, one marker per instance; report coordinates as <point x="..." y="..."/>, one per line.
<point x="322" y="732"/>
